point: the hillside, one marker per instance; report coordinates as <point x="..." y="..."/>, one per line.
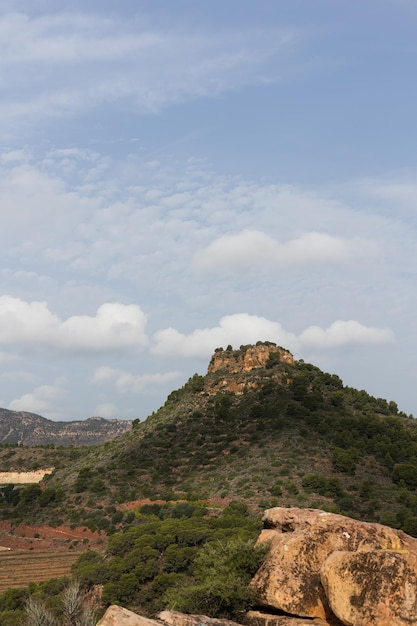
<point x="29" y="429"/>
<point x="259" y="427"/>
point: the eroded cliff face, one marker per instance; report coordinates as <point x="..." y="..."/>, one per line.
<point x="253" y="357"/>
<point x="235" y="370"/>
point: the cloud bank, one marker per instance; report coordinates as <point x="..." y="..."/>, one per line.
<point x="243" y="328"/>
<point x="114" y="326"/>
<point x="41" y="400"/>
<point x="253" y="249"/>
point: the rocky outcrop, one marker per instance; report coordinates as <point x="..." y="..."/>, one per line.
<point x="372" y="587"/>
<point x="245" y="360"/>
<point x="327" y="566"/>
<point x="174" y="618"/>
<point x="259" y="618"/>
<point x="230" y="370"/>
<point x="117" y="616"/>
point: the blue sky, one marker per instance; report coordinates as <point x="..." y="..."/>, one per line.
<point x="178" y="176"/>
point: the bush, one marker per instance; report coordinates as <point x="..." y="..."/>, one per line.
<point x="344" y="460"/>
<point x="406" y="472"/>
<point x="223" y="570"/>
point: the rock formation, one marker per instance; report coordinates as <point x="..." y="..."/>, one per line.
<point x="231" y="370"/>
<point x="322" y="565"/>
<point x="377" y="587"/>
<point x="117" y="616"/>
<point x="247" y="359"/>
<point x="322" y="569"/>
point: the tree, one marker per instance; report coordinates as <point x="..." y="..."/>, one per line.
<point x="223" y="570"/>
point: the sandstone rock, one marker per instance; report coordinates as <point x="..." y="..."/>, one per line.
<point x="301" y="541"/>
<point x="378" y="588"/>
<point x="173" y="618"/>
<point x="236" y="367"/>
<point x="253" y="357"/>
<point x="258" y="618"/>
<point x="117" y="616"/>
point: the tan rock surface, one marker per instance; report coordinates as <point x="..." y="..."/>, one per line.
<point x="174" y="618"/>
<point x="258" y="618"/>
<point x="378" y="588"/>
<point x="253" y="357"/>
<point x="117" y="616"/>
<point x="236" y="367"/>
<point x="301" y="540"/>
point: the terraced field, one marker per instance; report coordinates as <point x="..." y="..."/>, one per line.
<point x="18" y="568"/>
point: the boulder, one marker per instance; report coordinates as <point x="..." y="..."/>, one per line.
<point x="378" y="588"/>
<point x="301" y="540"/>
<point x="259" y="618"/>
<point x="173" y="618"/>
<point x="117" y="616"/>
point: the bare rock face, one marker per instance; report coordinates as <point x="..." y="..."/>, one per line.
<point x="236" y="367"/>
<point x="377" y="587"/>
<point x="258" y="618"/>
<point x="235" y="361"/>
<point x="117" y="616"/>
<point x="301" y="541"/>
<point x="174" y="618"/>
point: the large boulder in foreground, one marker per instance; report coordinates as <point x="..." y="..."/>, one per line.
<point x="174" y="618"/>
<point x="259" y="618"/>
<point x="117" y="616"/>
<point x="377" y="587"/>
<point x="301" y="541"/>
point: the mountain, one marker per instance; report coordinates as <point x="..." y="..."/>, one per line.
<point x="29" y="429"/>
<point x="259" y="427"/>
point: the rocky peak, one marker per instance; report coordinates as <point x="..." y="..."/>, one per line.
<point x="235" y="370"/>
<point x="248" y="358"/>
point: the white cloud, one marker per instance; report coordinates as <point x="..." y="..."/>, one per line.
<point x="62" y="64"/>
<point x="40" y="400"/>
<point x="114" y="326"/>
<point x="125" y="381"/>
<point x="243" y="328"/>
<point x="252" y="248"/>
<point x="342" y="333"/>
<point x="235" y="329"/>
<point x="38" y="208"/>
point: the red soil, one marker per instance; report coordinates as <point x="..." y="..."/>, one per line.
<point x="43" y="538"/>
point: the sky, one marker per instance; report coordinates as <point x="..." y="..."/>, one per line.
<point x="180" y="176"/>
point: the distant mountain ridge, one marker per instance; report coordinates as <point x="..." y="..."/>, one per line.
<point x="30" y="429"/>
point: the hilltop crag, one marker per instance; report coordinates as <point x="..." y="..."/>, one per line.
<point x="238" y="371"/>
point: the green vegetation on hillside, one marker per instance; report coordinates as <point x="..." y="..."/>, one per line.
<point x="295" y="436"/>
<point x="292" y="436"/>
<point x="183" y="556"/>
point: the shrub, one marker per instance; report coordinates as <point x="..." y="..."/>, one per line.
<point x="223" y="570"/>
